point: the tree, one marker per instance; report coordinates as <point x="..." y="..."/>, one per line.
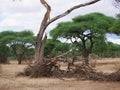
<point x="115" y="28"/>
<point x="19" y="42"/>
<point x="4" y="53"/>
<point x="83" y="30"/>
<point x="100" y="47"/>
<point x="55" y="47"/>
<point x="44" y="24"/>
<point x="20" y="46"/>
<point x="113" y="50"/>
<point x="4" y="49"/>
<point x="49" y="47"/>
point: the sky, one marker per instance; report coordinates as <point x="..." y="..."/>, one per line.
<point x="27" y="14"/>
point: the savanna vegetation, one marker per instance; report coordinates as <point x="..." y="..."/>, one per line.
<point x="16" y="45"/>
<point x="85" y="36"/>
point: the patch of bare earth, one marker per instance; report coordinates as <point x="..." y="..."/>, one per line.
<point x="9" y="81"/>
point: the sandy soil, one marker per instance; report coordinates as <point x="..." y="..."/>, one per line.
<point x="9" y="81"/>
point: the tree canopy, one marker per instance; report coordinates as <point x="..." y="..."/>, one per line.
<point x="55" y="47"/>
<point x="95" y="22"/>
<point x="116" y="26"/>
<point x="83" y="30"/>
<point x="18" y="42"/>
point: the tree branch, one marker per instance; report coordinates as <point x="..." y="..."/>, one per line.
<point x="70" y="10"/>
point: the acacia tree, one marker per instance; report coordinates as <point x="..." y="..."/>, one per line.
<point x="83" y="31"/>
<point x="19" y="42"/>
<point x="41" y="39"/>
<point x="4" y="49"/>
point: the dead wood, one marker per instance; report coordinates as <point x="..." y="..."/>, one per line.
<point x="83" y="72"/>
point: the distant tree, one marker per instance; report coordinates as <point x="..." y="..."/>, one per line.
<point x="60" y="48"/>
<point x="19" y="42"/>
<point x="83" y="30"/>
<point x="4" y="49"/>
<point x="55" y="47"/>
<point x="113" y="50"/>
<point x="50" y="45"/>
<point x="116" y="26"/>
<point x="4" y="53"/>
<point x="100" y="47"/>
<point x="21" y="45"/>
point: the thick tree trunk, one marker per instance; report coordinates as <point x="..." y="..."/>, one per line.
<point x="39" y="48"/>
<point x="41" y="56"/>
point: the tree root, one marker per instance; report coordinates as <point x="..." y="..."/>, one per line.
<point x="82" y="72"/>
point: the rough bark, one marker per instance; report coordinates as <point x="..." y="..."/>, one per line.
<point x="86" y="57"/>
<point x="42" y="49"/>
<point x="41" y="33"/>
<point x="45" y="23"/>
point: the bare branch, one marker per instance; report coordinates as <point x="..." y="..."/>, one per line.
<point x="116" y="3"/>
<point x="70" y="10"/>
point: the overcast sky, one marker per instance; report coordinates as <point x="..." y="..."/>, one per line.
<point x="28" y="14"/>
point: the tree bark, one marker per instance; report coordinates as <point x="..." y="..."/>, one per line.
<point x="86" y="57"/>
<point x="41" y="56"/>
<point x="19" y="61"/>
<point x="40" y="35"/>
<point x="45" y="23"/>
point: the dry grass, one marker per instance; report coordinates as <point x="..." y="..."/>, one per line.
<point x="8" y="80"/>
<point x="108" y="65"/>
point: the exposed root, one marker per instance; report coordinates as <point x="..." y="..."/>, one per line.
<point x="82" y="72"/>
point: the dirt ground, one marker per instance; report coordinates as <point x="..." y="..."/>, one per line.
<point x="9" y="81"/>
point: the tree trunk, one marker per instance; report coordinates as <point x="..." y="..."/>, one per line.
<point x="20" y="59"/>
<point x="86" y="57"/>
<point x="41" y="56"/>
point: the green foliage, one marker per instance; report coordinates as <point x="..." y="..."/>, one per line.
<point x="50" y="45"/>
<point x="25" y="36"/>
<point x="95" y="22"/>
<point x="116" y="26"/>
<point x="60" y="48"/>
<point x="18" y="42"/>
<point x="4" y="53"/>
<point x="100" y="47"/>
<point x="109" y="49"/>
<point x="113" y="49"/>
<point x="55" y="47"/>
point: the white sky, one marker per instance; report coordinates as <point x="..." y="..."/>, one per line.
<point x="28" y="14"/>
